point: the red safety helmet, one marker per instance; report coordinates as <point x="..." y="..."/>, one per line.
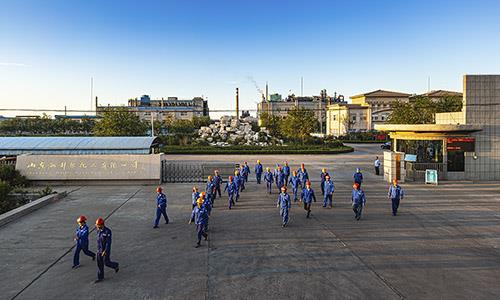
<point x="230" y="178"/>
<point x="159" y="189"/>
<point x="308" y="183"/>
<point x="283" y="188"/>
<point x="355" y="186"/>
<point x="81" y="219"/>
<point x="99" y="221"/>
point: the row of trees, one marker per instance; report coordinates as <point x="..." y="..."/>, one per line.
<point x="422" y="110"/>
<point x="45" y="126"/>
<point x="114" y="122"/>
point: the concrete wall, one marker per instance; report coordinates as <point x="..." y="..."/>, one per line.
<point x="482" y="107"/>
<point x="90" y="167"/>
<point x="450" y="118"/>
<point x="390" y="170"/>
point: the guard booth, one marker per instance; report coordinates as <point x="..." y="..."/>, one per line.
<point x="420" y="147"/>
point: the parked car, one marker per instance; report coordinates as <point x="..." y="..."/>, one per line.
<point x="386" y="145"/>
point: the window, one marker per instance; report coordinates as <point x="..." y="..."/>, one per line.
<point x="334" y="117"/>
<point x="382" y="117"/>
<point x="183" y="113"/>
<point x="354" y="118"/>
<point x="375" y="118"/>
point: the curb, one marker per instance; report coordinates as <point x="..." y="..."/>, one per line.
<point x="29" y="208"/>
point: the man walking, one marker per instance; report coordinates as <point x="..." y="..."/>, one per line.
<point x="328" y="188"/>
<point x="307" y="196"/>
<point x="358" y="201"/>
<point x="258" y="171"/>
<point x="161" y="206"/>
<point x="82" y="241"/>
<point x="284" y="204"/>
<point x="377" y="166"/>
<point x="396" y="193"/>
<point x="104" y="250"/>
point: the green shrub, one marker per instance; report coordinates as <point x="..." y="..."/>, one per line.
<point x="46" y="191"/>
<point x="12" y="176"/>
<point x="5" y="203"/>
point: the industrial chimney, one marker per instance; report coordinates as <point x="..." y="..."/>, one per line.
<point x="237" y="103"/>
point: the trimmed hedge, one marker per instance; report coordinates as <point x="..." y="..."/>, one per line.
<point x="255" y="150"/>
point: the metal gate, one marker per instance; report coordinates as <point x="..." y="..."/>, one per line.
<point x="187" y="171"/>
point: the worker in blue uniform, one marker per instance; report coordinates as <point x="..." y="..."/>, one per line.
<point x="194" y="196"/>
<point x="269" y="179"/>
<point x="323" y="175"/>
<point x="237" y="183"/>
<point x="358" y="200"/>
<point x="200" y="217"/>
<point x="104" y="238"/>
<point x="328" y="188"/>
<point x="280" y="179"/>
<point x="307" y="196"/>
<point x="276" y="173"/>
<point x="246" y="171"/>
<point x="242" y="178"/>
<point x="358" y="177"/>
<point x="284" y="204"/>
<point x="231" y="190"/>
<point x="210" y="188"/>
<point x="286" y="172"/>
<point x="82" y="241"/>
<point x="217" y="182"/>
<point x="396" y="193"/>
<point x="258" y="171"/>
<point x="304" y="176"/>
<point x="161" y="206"/>
<point x="295" y="182"/>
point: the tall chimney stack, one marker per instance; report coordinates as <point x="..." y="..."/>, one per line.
<point x="237" y="103"/>
<point x="267" y="92"/>
<point x="96" y="104"/>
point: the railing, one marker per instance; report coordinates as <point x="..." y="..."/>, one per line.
<point x="416" y="171"/>
<point x="182" y="171"/>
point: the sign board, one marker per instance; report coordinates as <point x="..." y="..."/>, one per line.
<point x="411" y="157"/>
<point x="461" y="144"/>
<point x="431" y="176"/>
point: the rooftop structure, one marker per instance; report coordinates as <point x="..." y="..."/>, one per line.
<point x="11" y="146"/>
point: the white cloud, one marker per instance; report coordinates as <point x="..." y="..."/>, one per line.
<point x="10" y="64"/>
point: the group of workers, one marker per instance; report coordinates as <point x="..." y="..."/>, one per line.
<point x="103" y="255"/>
<point x="203" y="202"/>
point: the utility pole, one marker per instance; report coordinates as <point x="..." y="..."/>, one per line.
<point x="152" y="125"/>
<point x="301" y="86"/>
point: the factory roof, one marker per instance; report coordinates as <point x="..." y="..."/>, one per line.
<point x="77" y="145"/>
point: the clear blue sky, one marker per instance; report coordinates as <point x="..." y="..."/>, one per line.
<point x="50" y="49"/>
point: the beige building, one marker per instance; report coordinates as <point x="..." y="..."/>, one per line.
<point x="343" y="118"/>
<point x="162" y="109"/>
<point x="380" y="102"/>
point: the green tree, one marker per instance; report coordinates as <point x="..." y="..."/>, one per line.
<point x="299" y="123"/>
<point x="201" y="121"/>
<point x="120" y="122"/>
<point x="422" y="110"/>
<point x="272" y="123"/>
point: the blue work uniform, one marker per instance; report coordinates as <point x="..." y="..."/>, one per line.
<point x="286" y="172"/>
<point x="284" y="204"/>
<point x="258" y="172"/>
<point x="104" y="238"/>
<point x="358" y="202"/>
<point x="200" y="217"/>
<point x="323" y="179"/>
<point x="269" y="179"/>
<point x="307" y="196"/>
<point x="328" y="189"/>
<point x="161" y="208"/>
<point x="246" y="172"/>
<point x="195" y="197"/>
<point x="231" y="190"/>
<point x="280" y="180"/>
<point x="295" y="182"/>
<point x="217" y="180"/>
<point x="303" y="175"/>
<point x="242" y="181"/>
<point x="82" y="244"/>
<point x="395" y="193"/>
<point x="210" y="190"/>
<point x="237" y="183"/>
<point x="358" y="178"/>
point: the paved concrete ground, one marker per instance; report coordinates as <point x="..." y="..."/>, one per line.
<point x="443" y="245"/>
